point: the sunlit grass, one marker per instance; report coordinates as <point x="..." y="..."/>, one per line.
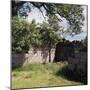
<point x="40" y="75"/>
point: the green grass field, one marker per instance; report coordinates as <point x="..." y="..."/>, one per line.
<point x="40" y="75"/>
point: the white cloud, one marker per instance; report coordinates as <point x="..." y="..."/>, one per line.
<point x="36" y="14"/>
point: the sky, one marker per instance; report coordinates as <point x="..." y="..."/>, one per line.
<point x="37" y="15"/>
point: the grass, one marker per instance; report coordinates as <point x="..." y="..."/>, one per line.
<point x="40" y="75"/>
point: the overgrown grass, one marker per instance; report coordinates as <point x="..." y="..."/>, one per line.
<point x="40" y="75"/>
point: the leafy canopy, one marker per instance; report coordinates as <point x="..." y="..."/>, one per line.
<point x="72" y="13"/>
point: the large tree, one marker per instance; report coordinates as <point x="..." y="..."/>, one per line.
<point x="49" y="35"/>
<point x="72" y="13"/>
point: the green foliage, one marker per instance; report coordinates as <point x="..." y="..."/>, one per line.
<point x="86" y="41"/>
<point x="49" y="36"/>
<point x="49" y="33"/>
<point x="72" y="13"/>
<point x="35" y="35"/>
<point x="22" y="35"/>
<point x="26" y="35"/>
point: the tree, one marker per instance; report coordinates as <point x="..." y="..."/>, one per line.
<point x="72" y="13"/>
<point x="49" y="37"/>
<point x="85" y="44"/>
<point x="23" y="35"/>
<point x="86" y="41"/>
<point x="35" y="39"/>
<point x="19" y="35"/>
<point x="47" y="33"/>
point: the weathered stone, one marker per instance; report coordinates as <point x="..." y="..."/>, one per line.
<point x="33" y="56"/>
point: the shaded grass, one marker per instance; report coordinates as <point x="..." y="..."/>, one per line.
<point x="77" y="76"/>
<point x="40" y="75"/>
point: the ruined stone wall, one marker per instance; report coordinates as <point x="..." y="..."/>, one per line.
<point x="63" y="51"/>
<point x="78" y="63"/>
<point x="33" y="56"/>
<point x="67" y="49"/>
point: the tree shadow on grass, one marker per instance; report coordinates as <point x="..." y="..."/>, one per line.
<point x="17" y="60"/>
<point x="66" y="73"/>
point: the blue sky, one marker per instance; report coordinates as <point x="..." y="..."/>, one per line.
<point x="37" y="15"/>
<point x="78" y="37"/>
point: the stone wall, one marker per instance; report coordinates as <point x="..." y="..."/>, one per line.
<point x="63" y="51"/>
<point x="78" y="63"/>
<point x="33" y="56"/>
<point x="67" y="49"/>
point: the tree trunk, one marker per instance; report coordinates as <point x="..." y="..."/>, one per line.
<point x="49" y="54"/>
